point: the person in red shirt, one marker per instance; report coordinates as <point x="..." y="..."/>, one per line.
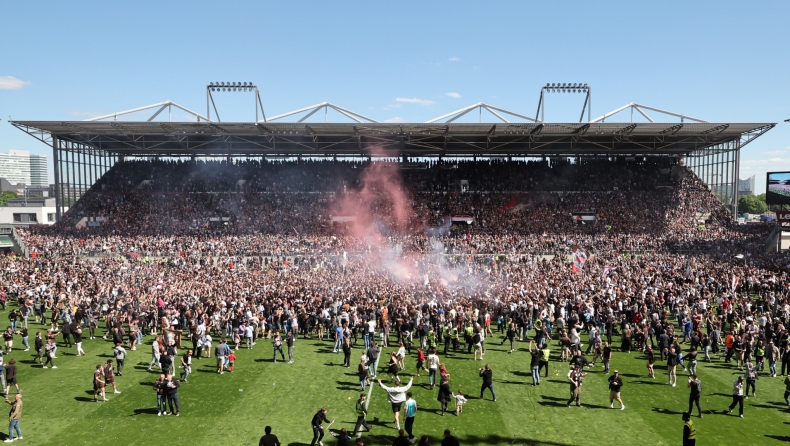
<point x="420" y="361"/>
<point x="231" y="361"/>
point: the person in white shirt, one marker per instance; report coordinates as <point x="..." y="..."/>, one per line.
<point x="155" y="353"/>
<point x="396" y="396"/>
<point x="248" y="330"/>
<point x="370" y="335"/>
<point x="433" y="367"/>
<point x="737" y="396"/>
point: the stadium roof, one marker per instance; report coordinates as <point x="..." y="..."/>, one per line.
<point x="151" y="138"/>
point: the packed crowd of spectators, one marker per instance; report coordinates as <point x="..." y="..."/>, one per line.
<point x="281" y="258"/>
<point x="162" y="208"/>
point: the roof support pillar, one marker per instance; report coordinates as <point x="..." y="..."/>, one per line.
<point x="56" y="164"/>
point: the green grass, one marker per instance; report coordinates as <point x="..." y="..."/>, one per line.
<point x="234" y="408"/>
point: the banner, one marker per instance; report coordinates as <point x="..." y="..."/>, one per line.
<point x="783" y="216"/>
<point x="468" y="219"/>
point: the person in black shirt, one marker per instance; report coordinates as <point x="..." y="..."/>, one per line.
<point x="534" y="363"/>
<point x="317" y="423"/>
<point x="578" y="360"/>
<point x="362" y="412"/>
<point x="38" y="343"/>
<point x="8" y="337"/>
<point x="449" y="440"/>
<point x="373" y="354"/>
<point x="488" y="381"/>
<point x="607" y="357"/>
<point x="444" y="394"/>
<point x="651" y="359"/>
<point x="347" y="351"/>
<point x="402" y="439"/>
<point x="696" y="391"/>
<point x="269" y="439"/>
<point x="663" y="343"/>
<point x="10" y="374"/>
<point x="165" y="361"/>
<point x="615" y="384"/>
<point x="172" y="395"/>
<point x="672" y="365"/>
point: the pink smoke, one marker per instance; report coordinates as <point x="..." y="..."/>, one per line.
<point x="380" y="205"/>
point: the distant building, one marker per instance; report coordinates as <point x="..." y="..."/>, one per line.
<point x="19" y="166"/>
<point x="32" y="211"/>
<point x="746" y="187"/>
<point x="39" y="174"/>
<point x="5" y="185"/>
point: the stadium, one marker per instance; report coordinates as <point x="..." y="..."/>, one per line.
<point x="326" y="255"/>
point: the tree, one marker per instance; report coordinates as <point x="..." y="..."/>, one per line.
<point x="5" y="196"/>
<point x="751" y="204"/>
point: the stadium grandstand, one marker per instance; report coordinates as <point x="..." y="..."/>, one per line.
<point x="404" y="233"/>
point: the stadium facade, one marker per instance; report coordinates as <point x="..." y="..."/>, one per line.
<point x="84" y="150"/>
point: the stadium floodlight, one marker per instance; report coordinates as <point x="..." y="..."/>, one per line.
<point x="232" y="87"/>
<point x="566" y="87"/>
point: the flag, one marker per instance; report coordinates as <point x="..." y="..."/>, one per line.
<point x="579" y="259"/>
<point x="606" y="271"/>
<point x="509" y="205"/>
<point x="735" y="281"/>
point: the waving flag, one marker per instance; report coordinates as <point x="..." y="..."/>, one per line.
<point x="579" y="259"/>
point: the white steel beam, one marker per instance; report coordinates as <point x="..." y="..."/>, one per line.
<point x="640" y="107"/>
<point x="671" y="113"/>
<point x="611" y="113"/>
<point x="295" y="112"/>
<point x="349" y="112"/>
<point x="312" y="112"/>
<point x="491" y="107"/>
<point x="462" y="111"/>
<point x="643" y="113"/>
<point x="147" y="107"/>
<point x="157" y="112"/>
<point x="496" y="114"/>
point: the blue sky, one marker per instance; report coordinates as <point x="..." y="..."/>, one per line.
<point x="721" y="61"/>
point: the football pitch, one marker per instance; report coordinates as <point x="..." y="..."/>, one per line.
<point x="234" y="408"/>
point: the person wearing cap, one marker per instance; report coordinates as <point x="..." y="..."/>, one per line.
<point x="615" y="384"/>
<point x="737" y="396"/>
<point x="689" y="432"/>
<point x="696" y="391"/>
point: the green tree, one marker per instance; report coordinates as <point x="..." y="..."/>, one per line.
<point x="5" y="196"/>
<point x="751" y="204"/>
